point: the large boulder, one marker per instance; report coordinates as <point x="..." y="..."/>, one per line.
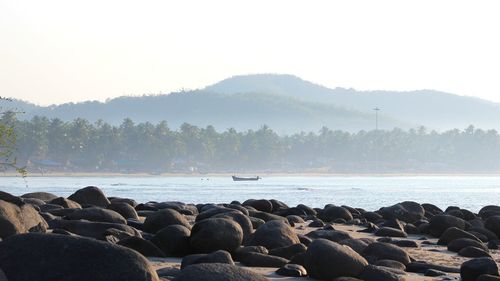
<point x="90" y="195"/>
<point x="160" y="219"/>
<point x="243" y="220"/>
<point x="472" y="269"/>
<point x="493" y="224"/>
<point x="16" y="219"/>
<point x="65" y="203"/>
<point x="488" y="211"/>
<point x="335" y="212"/>
<point x="96" y="214"/>
<point x="262" y="260"/>
<point x="45" y="196"/>
<point x="460" y="243"/>
<point x="274" y="234"/>
<point x="217" y="272"/>
<point x="407" y="211"/>
<point x="326" y="260"/>
<point x="97" y="230"/>
<point x="124" y="209"/>
<point x="262" y="205"/>
<point x="453" y="233"/>
<point x="440" y="223"/>
<point x="379" y="273"/>
<point x="215" y="234"/>
<point x="173" y="240"/>
<point x="53" y="257"/>
<point x="384" y="251"/>
<point x="219" y="256"/>
<point x="142" y="246"/>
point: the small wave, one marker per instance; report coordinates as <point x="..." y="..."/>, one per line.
<point x="119" y="184"/>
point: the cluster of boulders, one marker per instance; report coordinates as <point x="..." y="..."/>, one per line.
<point x="89" y="236"/>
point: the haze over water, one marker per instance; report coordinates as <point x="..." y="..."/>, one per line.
<point x="370" y="193"/>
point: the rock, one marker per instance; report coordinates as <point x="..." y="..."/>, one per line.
<point x="96" y="214"/>
<point x="219" y="256"/>
<point x="241" y="219"/>
<point x="291" y="212"/>
<point x="293" y="270"/>
<point x="274" y="234"/>
<point x="173" y="240"/>
<point x="215" y="234"/>
<point x="323" y="257"/>
<point x="48" y="207"/>
<point x="90" y="195"/>
<point x="256" y="222"/>
<point x="434" y="273"/>
<point x="304" y="239"/>
<point x="266" y="216"/>
<point x="378" y="273"/>
<point x="334" y="212"/>
<point x="356" y="244"/>
<point x="249" y="249"/>
<point x="215" y="210"/>
<point x="490" y="235"/>
<point x="391" y="264"/>
<point x="261" y="260"/>
<point x="129" y="201"/>
<point x="440" y="223"/>
<point x="473" y="252"/>
<point x="34" y="202"/>
<point x="16" y="219"/>
<point x="405" y="243"/>
<point x="488" y="277"/>
<point x="95" y="230"/>
<point x="288" y="251"/>
<point x="347" y="279"/>
<point x="7" y="197"/>
<point x="390" y="232"/>
<point x="431" y="210"/>
<point x="411" y="229"/>
<point x="170" y="272"/>
<point x="160" y="219"/>
<point x="142" y="246"/>
<point x="493" y="224"/>
<point x="422" y="267"/>
<point x="217" y="272"/>
<point x="332" y="235"/>
<point x="52" y="257"/>
<point x="384" y="251"/>
<point x="405" y="211"/>
<point x="460" y="243"/>
<point x="294" y="219"/>
<point x="65" y="203"/>
<point x="124" y="209"/>
<point x="472" y="269"/>
<point x="308" y="210"/>
<point x="453" y="233"/>
<point x="488" y="211"/>
<point x="316" y="223"/>
<point x="260" y="205"/>
<point x="45" y="196"/>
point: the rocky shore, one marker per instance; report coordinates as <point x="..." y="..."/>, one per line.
<point x="89" y="236"/>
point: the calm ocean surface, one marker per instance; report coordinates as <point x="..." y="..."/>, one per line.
<point x="371" y="193"/>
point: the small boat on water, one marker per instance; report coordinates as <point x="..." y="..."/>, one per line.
<point x="235" y="178"/>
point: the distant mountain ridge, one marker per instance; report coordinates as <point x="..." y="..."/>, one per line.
<point x="285" y="103"/>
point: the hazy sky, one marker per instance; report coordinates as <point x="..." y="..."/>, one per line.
<point x="60" y="51"/>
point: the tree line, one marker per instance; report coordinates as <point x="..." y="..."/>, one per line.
<point x="81" y="146"/>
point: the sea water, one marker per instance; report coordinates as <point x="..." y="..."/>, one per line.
<point x="370" y="193"/>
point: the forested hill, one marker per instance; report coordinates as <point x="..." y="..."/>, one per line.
<point x="433" y="109"/>
<point x="287" y="104"/>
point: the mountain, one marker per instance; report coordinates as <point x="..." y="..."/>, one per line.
<point x="285" y="103"/>
<point x="433" y="109"/>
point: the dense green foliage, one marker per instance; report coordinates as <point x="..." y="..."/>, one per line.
<point x="52" y="144"/>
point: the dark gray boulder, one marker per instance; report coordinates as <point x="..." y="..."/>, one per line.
<point x="335" y="212"/>
<point x="215" y="234"/>
<point x="391" y="264"/>
<point x="407" y="211"/>
<point x="95" y="230"/>
<point x="460" y="243"/>
<point x="453" y="233"/>
<point x="332" y="235"/>
<point x="45" y="196"/>
<point x="16" y="219"/>
<point x="219" y="256"/>
<point x="379" y="273"/>
<point x="90" y="195"/>
<point x="261" y="260"/>
<point x="163" y="218"/>
<point x="385" y="251"/>
<point x="262" y="205"/>
<point x="473" y="252"/>
<point x="440" y="223"/>
<point x="323" y="257"/>
<point x="274" y="234"/>
<point x="390" y="232"/>
<point x="53" y="257"/>
<point x="65" y="203"/>
<point x="124" y="209"/>
<point x="142" y="246"/>
<point x="173" y="240"/>
<point x="293" y="270"/>
<point x="217" y="272"/>
<point x="488" y="211"/>
<point x="288" y="251"/>
<point x="493" y="224"/>
<point x="96" y="214"/>
<point x="472" y="269"/>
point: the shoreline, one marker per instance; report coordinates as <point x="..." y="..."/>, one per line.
<point x="262" y="175"/>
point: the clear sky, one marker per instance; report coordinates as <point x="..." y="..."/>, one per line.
<point x="60" y="51"/>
